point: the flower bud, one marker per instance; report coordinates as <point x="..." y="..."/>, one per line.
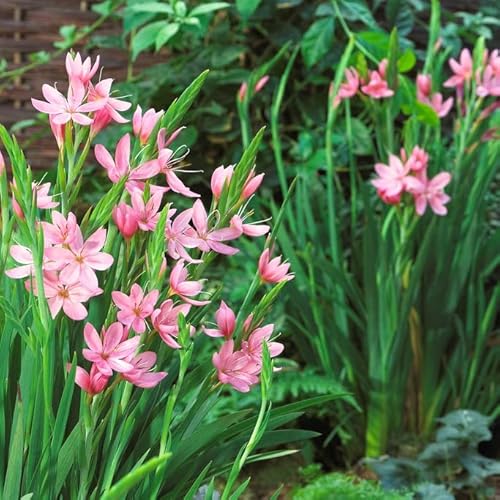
<point x="126" y="220"/>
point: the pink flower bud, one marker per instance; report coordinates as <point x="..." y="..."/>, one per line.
<point x="126" y="220"/>
<point x="143" y="125"/>
<point x="243" y="91"/>
<point x="252" y="184"/>
<point x="273" y="270"/>
<point x="424" y="87"/>
<point x="58" y="131"/>
<point x="220" y="178"/>
<point x="261" y="83"/>
<point x="2" y="164"/>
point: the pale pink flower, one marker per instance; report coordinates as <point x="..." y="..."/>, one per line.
<point x="143" y="125"/>
<point x="134" y="309"/>
<point x="82" y="71"/>
<point x="162" y="141"/>
<point x="183" y="288"/>
<point x="146" y="213"/>
<point x="349" y="89"/>
<point x="221" y="177"/>
<point x="120" y="166"/>
<point x="211" y="239"/>
<point x="377" y="87"/>
<point x="125" y="219"/>
<point x="62" y="231"/>
<point x="43" y="199"/>
<point x="79" y="261"/>
<point x="141" y="375"/>
<point x="66" y="296"/>
<point x="462" y="70"/>
<point x="235" y="368"/>
<point x="23" y="255"/>
<point x="273" y="271"/>
<point x="252" y="183"/>
<point x="226" y="322"/>
<point x="166" y="321"/>
<point x="252" y="347"/>
<point x="430" y="192"/>
<point x="251" y="229"/>
<point x="418" y="160"/>
<point x="392" y="178"/>
<point x="64" y="110"/>
<point x="178" y="239"/>
<point x="109" y="352"/>
<point x="92" y="383"/>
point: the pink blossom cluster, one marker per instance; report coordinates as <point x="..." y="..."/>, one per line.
<point x="409" y="175"/>
<point x="85" y="103"/>
<point x="69" y="265"/>
<point x="71" y="261"/>
<point x="240" y="368"/>
<point x="375" y="86"/>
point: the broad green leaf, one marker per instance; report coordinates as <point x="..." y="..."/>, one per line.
<point x="426" y="114"/>
<point x="207" y="8"/>
<point x="407" y="61"/>
<point x="317" y="41"/>
<point x="146" y="37"/>
<point x="165" y="34"/>
<point x="152" y="7"/>
<point x="246" y="8"/>
<point x="357" y="10"/>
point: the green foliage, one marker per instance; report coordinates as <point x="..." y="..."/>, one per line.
<point x="344" y="487"/>
<point x="452" y="460"/>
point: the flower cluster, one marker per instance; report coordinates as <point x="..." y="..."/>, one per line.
<point x="434" y="100"/>
<point x="375" y="86"/>
<point x="140" y="312"/>
<point x="410" y="175"/>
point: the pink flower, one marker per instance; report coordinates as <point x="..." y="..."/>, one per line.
<point x="211" y="239"/>
<point x="440" y="107"/>
<point x="134" y="309"/>
<point x="64" y="110"/>
<point x="162" y="141"/>
<point x="349" y="89"/>
<point x="462" y="70"/>
<point x="226" y="321"/>
<point x="43" y="198"/>
<point x="165" y="321"/>
<point x="62" y="231"/>
<point x="109" y="351"/>
<point x="252" y="183"/>
<point x="92" y="383"/>
<point x="377" y="87"/>
<point x="178" y="239"/>
<point x="242" y="92"/>
<point x="78" y="262"/>
<point x="140" y="375"/>
<point x="81" y="71"/>
<point x="490" y="83"/>
<point x="66" y="296"/>
<point x="252" y="230"/>
<point x="125" y="219"/>
<point x="100" y="95"/>
<point x="143" y="125"/>
<point x="183" y="288"/>
<point x="273" y="271"/>
<point x="146" y="213"/>
<point x="120" y="166"/>
<point x="418" y="160"/>
<point x="253" y="346"/>
<point x="235" y="368"/>
<point x="167" y="164"/>
<point x="392" y="178"/>
<point x="221" y="177"/>
<point x="430" y="192"/>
